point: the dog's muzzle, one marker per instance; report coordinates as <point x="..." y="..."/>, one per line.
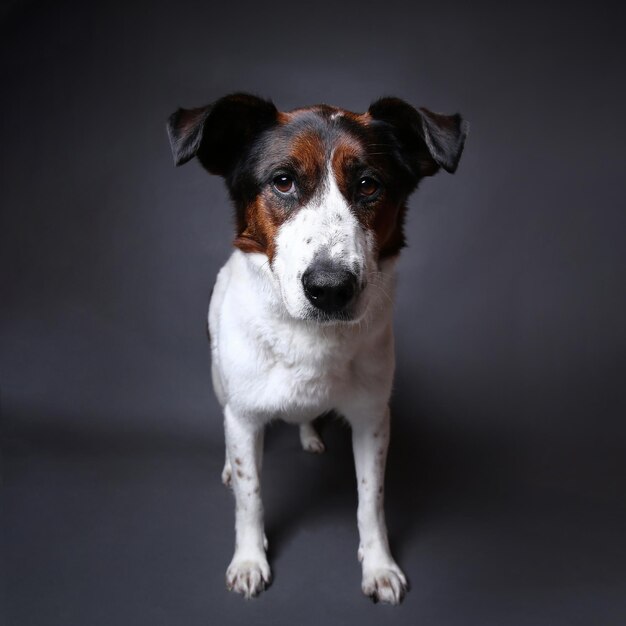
<point x="329" y="287"/>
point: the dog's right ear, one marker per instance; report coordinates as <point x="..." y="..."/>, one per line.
<point x="218" y="133"/>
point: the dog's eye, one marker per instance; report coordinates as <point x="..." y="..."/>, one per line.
<point x="283" y="183"/>
<point x="367" y="186"/>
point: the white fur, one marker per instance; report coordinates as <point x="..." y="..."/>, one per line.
<point x="325" y="225"/>
<point x="269" y="362"/>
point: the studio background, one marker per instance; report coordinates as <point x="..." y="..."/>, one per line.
<point x="507" y="467"/>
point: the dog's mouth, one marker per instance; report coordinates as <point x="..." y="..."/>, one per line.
<point x="337" y="317"/>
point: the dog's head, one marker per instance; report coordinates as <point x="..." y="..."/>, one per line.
<point x="320" y="191"/>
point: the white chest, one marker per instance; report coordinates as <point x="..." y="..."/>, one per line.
<point x="301" y="372"/>
<point x="274" y="366"/>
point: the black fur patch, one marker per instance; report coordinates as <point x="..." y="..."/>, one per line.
<point x="247" y="141"/>
<point x="430" y="140"/>
<point x="218" y="133"/>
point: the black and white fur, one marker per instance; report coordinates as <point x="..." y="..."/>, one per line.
<point x="300" y="319"/>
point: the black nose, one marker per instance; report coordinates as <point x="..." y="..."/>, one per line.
<point x="328" y="287"/>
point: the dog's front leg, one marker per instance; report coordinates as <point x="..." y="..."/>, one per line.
<point x="382" y="578"/>
<point x="248" y="572"/>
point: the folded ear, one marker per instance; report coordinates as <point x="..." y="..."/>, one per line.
<point x="218" y="133"/>
<point x="429" y="140"/>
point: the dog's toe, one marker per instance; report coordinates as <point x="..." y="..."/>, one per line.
<point x="227" y="475"/>
<point x="385" y="585"/>
<point x="316" y="445"/>
<point x="248" y="577"/>
<point x="310" y="440"/>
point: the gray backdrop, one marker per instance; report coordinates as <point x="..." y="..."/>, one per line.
<point x="507" y="471"/>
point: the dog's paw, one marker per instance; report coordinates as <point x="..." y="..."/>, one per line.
<point x="248" y="576"/>
<point x="316" y="445"/>
<point x="310" y="440"/>
<point x="227" y="474"/>
<point x="384" y="584"/>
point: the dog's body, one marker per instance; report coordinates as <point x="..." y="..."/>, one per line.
<point x="301" y="316"/>
<point x="291" y="369"/>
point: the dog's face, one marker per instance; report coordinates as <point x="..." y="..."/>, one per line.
<point x="320" y="191"/>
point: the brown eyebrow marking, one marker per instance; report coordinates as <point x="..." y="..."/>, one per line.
<point x="308" y="152"/>
<point x="304" y="152"/>
<point x="385" y="218"/>
<point x="307" y="142"/>
<point x="347" y="152"/>
<point x="261" y="228"/>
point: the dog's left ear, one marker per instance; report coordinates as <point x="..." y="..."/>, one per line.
<point x="429" y="140"/>
<point x="218" y="133"/>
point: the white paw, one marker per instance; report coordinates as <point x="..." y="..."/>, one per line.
<point x="227" y="474"/>
<point x="310" y="440"/>
<point x="313" y="444"/>
<point x="384" y="584"/>
<point x="248" y="576"/>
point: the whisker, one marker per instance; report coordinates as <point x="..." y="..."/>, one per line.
<point x="382" y="291"/>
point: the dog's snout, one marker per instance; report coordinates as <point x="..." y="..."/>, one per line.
<point x="328" y="287"/>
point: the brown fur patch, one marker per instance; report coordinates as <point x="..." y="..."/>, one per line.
<point x="303" y="139"/>
<point x="347" y="154"/>
<point x="387" y="227"/>
<point x="264" y="215"/>
<point x="308" y="153"/>
<point x="261" y="227"/>
<point x="383" y="217"/>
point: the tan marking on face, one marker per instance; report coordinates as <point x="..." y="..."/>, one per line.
<point x="387" y="226"/>
<point x="383" y="217"/>
<point x="259" y="224"/>
<point x="264" y="216"/>
<point x="260" y="227"/>
<point x="346" y="152"/>
<point x="308" y="152"/>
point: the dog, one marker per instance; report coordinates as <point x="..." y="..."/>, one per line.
<point x="300" y="319"/>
